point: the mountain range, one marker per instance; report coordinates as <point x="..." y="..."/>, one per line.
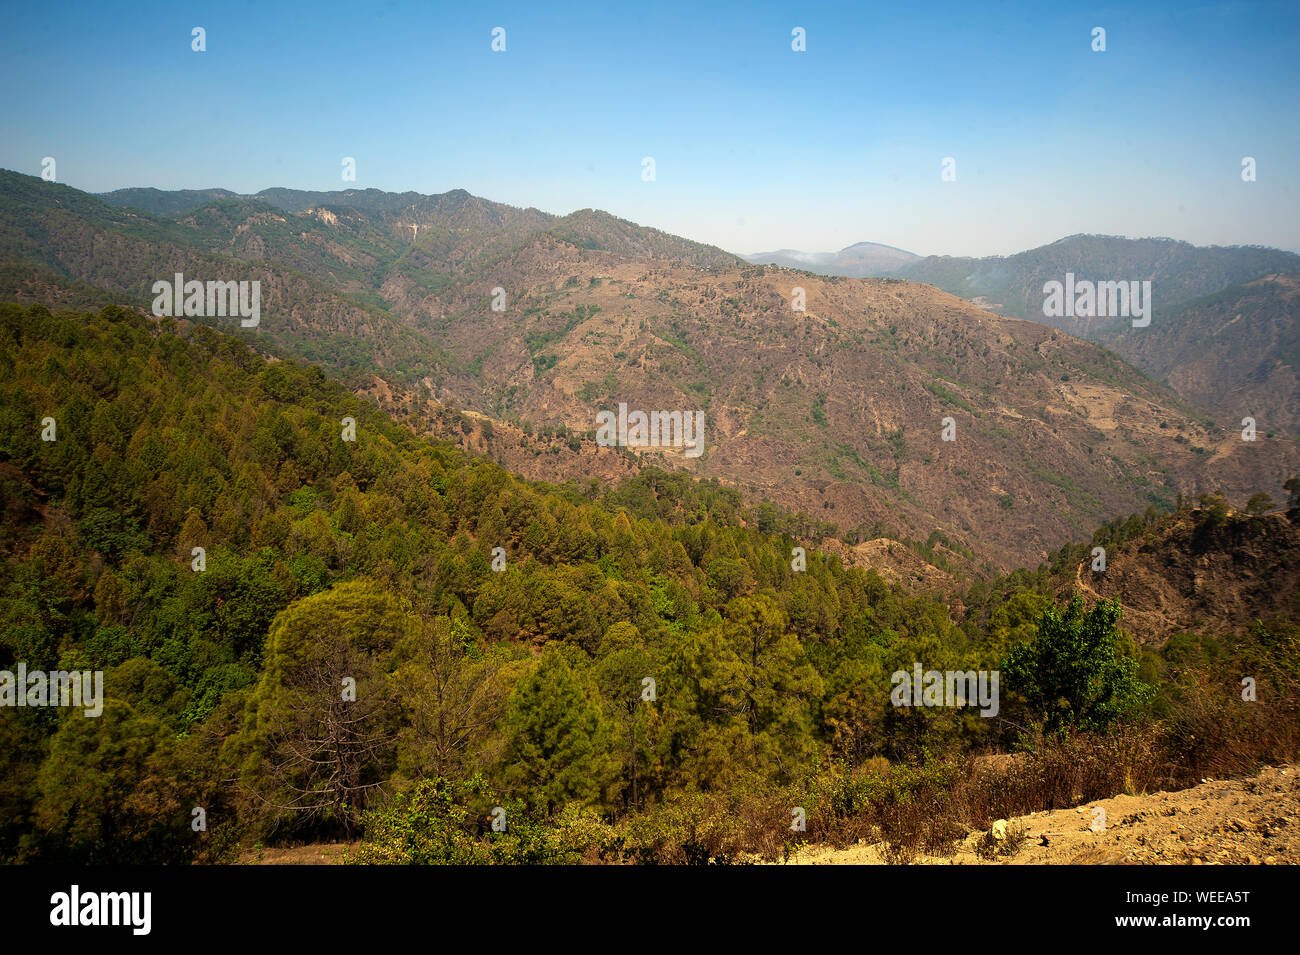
<point x="860" y="260"/>
<point x="837" y="411"/>
<point x="1223" y="308"/>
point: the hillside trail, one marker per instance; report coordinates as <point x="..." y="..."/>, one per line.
<point x="1250" y="821"/>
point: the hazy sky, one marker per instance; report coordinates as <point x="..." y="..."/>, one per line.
<point x="756" y="146"/>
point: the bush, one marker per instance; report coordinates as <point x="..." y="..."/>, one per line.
<point x="1080" y="670"/>
<point x="444" y="822"/>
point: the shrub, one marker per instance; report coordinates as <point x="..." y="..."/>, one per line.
<point x="444" y="822"/>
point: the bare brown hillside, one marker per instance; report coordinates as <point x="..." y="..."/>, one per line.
<point x="828" y="396"/>
<point x="1235" y="351"/>
<point x="838" y="410"/>
<point x="1199" y="574"/>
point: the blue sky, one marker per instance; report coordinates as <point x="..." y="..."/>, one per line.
<point x="756" y="146"/>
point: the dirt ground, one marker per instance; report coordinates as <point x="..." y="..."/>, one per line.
<point x="323" y="853"/>
<point x="1251" y="821"/>
<point x="1248" y="821"/>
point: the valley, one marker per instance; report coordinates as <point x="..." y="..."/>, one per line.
<point x="835" y="411"/>
<point x="513" y="528"/>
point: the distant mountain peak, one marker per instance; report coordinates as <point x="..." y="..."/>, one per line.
<point x="860" y="260"/>
<point x="877" y="245"/>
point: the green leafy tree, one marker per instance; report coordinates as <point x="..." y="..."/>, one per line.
<point x="110" y="790"/>
<point x="1258" y="504"/>
<point x="1080" y="670"/>
<point x="778" y="683"/>
<point x="560" y="742"/>
<point x="322" y="722"/>
<point x="620" y="672"/>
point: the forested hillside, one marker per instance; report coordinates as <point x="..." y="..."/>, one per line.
<point x="837" y="408"/>
<point x="316" y="624"/>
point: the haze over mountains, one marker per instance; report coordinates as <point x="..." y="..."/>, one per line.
<point x="835" y="411"/>
<point x="1013" y="285"/>
<point x="860" y="260"/>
